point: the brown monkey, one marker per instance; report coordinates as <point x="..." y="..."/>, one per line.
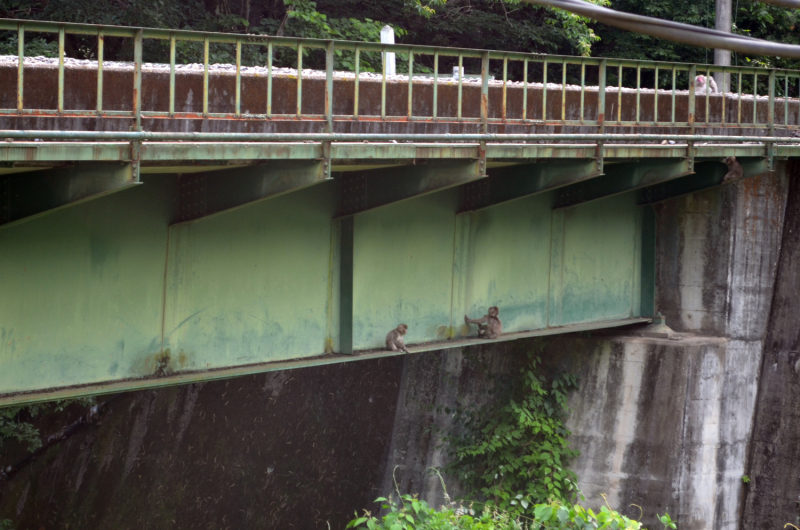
<point x="735" y="171"/>
<point x="489" y="327"/>
<point x="394" y="340"/>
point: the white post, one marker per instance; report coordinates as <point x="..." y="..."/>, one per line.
<point x="723" y="57"/>
<point x="387" y="37"/>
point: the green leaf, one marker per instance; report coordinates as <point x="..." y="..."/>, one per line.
<point x="543" y="512"/>
<point x="356" y="522"/>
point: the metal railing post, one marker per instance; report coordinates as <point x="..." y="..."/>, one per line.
<point x="329" y="56"/>
<point x="137" y="80"/>
<point x="484" y="91"/>
<point x="20" y="66"/>
<point x="692" y="97"/>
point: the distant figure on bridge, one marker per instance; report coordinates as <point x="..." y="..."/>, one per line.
<point x="701" y="88"/>
<point x="489" y="327"/>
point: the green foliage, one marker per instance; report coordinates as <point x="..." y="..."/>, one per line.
<point x="667" y="521"/>
<point x="516" y="456"/>
<point x="576" y="28"/>
<point x="745" y="479"/>
<point x="415" y="514"/>
<point x="15" y="422"/>
<point x="36" y="46"/>
<point x="6" y="524"/>
<point x="304" y="20"/>
<point x="755" y="19"/>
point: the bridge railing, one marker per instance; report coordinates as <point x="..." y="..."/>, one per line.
<point x="656" y="94"/>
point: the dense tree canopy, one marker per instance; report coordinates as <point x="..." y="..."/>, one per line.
<point x="495" y="24"/>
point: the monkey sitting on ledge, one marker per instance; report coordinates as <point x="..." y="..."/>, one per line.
<point x="735" y="171"/>
<point x="394" y="340"/>
<point x="489" y="327"/>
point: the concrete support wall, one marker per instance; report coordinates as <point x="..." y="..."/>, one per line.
<point x="718" y="254"/>
<point x="773" y="494"/>
<point x="294" y="449"/>
<point x="661" y="424"/>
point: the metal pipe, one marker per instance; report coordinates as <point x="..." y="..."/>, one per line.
<point x="172" y="44"/>
<point x="20" y="66"/>
<point x="100" y="46"/>
<point x="205" y="76"/>
<point x="329" y="59"/>
<point x="410" y="83"/>
<point x="378" y="137"/>
<point x="61" y="37"/>
<point x="238" y="96"/>
<point x="460" y="78"/>
<point x="137" y="80"/>
<point x="525" y="89"/>
<point x="269" y="79"/>
<point x="435" y="85"/>
<point x="355" y="85"/>
<point x="299" y="80"/>
<point x="485" y="93"/>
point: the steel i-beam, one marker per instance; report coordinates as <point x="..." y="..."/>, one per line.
<point x="26" y="196"/>
<point x="514" y="182"/>
<point x="208" y="193"/>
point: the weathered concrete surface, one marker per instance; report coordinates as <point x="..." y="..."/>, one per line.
<point x="661" y="424"/>
<point x="717" y="257"/>
<point x="648" y="419"/>
<point x="773" y="494"/>
<point x="282" y="450"/>
<point x="434" y="386"/>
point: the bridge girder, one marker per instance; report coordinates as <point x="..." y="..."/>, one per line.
<point x="208" y="193"/>
<point x="274" y="271"/>
<point x="27" y="195"/>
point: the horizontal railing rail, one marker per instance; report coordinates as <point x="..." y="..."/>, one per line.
<point x="546" y="89"/>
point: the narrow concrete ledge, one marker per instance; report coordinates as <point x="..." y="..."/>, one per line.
<point x="196" y="376"/>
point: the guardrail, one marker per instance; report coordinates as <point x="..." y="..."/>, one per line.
<point x="754" y="87"/>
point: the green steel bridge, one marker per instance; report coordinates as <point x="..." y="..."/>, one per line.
<point x="164" y="223"/>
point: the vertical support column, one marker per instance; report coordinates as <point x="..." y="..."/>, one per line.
<point x="692" y="97"/>
<point x="601" y="111"/>
<point x="771" y="119"/>
<point x="329" y="56"/>
<point x="648" y="260"/>
<point x="136" y="146"/>
<point x="100" y="45"/>
<point x="346" y="225"/>
<point x="387" y="37"/>
<point x="484" y="92"/>
<point x="20" y="66"/>
<point x="723" y="57"/>
<point x="61" y="39"/>
<point x="137" y="80"/>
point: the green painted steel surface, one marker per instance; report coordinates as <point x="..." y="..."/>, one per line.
<point x="403" y="265"/>
<point x="250" y="285"/>
<point x="509" y="263"/>
<point x="594" y="266"/>
<point x="82" y="291"/>
<point x="113" y="293"/>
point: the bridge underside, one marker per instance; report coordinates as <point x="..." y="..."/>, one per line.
<point x="228" y="259"/>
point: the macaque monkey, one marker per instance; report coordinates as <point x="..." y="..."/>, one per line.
<point x="735" y="171"/>
<point x="489" y="327"/>
<point x="394" y="340"/>
<point x="700" y="85"/>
